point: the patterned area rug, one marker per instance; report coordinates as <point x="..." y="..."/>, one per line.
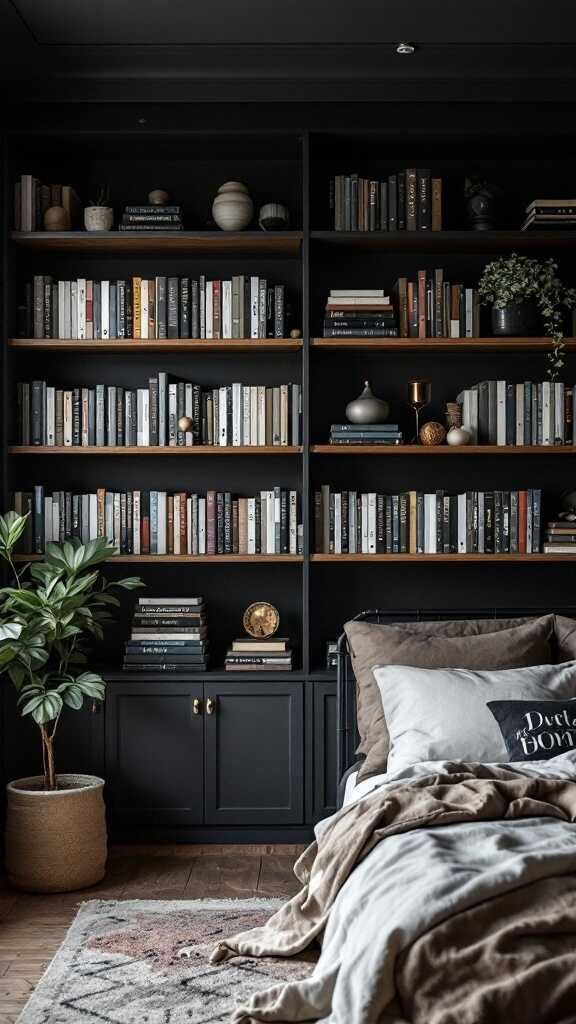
<point x="147" y="962"/>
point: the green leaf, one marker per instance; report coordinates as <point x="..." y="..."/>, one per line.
<point x="10" y="631"/>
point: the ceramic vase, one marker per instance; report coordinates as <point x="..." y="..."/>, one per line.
<point x="515" y="320"/>
<point x="98" y="218"/>
<point x="367" y="408"/>
<point x="232" y="208"/>
<point x="458" y="436"/>
<point x="273" y="217"/>
<point x="56" y="218"/>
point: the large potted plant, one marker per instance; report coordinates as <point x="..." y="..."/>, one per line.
<point x="55" y="824"/>
<point x="527" y="295"/>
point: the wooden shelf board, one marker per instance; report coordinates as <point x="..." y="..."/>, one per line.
<point x="185" y="559"/>
<point x="442" y="344"/>
<point x="269" y="243"/>
<point x="156" y="450"/>
<point x="442" y="449"/>
<point x="160" y="345"/>
<point x="448" y="241"/>
<point x="473" y="557"/>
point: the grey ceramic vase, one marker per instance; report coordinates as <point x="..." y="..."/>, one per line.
<point x="367" y="408"/>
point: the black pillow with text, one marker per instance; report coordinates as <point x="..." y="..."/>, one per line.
<point x="535" y="730"/>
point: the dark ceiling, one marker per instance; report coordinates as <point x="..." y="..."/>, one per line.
<point x="325" y="50"/>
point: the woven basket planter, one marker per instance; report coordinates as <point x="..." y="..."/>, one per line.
<point x="55" y="841"/>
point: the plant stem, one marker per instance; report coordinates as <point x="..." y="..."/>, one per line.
<point x="49" y="772"/>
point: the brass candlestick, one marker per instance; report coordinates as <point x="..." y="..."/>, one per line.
<point x="419" y="395"/>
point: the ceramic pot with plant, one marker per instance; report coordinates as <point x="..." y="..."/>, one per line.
<point x="99" y="215"/>
<point x="55" y="823"/>
<point x="527" y="295"/>
<point x="481" y="199"/>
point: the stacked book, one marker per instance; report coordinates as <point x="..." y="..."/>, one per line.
<point x="366" y="433"/>
<point x="431" y="307"/>
<point x="169" y="634"/>
<point x="487" y="522"/>
<point x="261" y="654"/>
<point x="529" y="413"/>
<point x="159" y="307"/>
<point x="560" y="537"/>
<point x="409" y="200"/>
<point x="551" y="214"/>
<point x="151" y="218"/>
<point x="162" y="523"/>
<point x="32" y="199"/>
<point x="359" y="313"/>
<point x="108" y="415"/>
<point x="331" y="654"/>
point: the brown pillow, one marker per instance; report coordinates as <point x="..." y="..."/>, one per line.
<point x="474" y="644"/>
<point x="564" y="638"/>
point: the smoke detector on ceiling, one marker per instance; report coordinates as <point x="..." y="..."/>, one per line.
<point x="405" y="48"/>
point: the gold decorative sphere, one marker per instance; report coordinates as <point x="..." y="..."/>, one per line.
<point x="261" y="619"/>
<point x="185" y="424"/>
<point x="432" y="434"/>
<point x="295" y="332"/>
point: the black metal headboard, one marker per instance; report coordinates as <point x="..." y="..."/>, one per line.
<point x="347" y="738"/>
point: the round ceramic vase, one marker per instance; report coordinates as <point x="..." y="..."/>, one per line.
<point x="232" y="208"/>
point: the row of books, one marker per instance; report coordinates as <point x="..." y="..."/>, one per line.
<point x="262" y="654"/>
<point x="168" y="634"/>
<point x="431" y="307"/>
<point x="111" y="415"/>
<point x="359" y="312"/>
<point x="410" y="200"/>
<point x="160" y="307"/>
<point x="491" y="522"/>
<point x="530" y="413"/>
<point x="367" y="433"/>
<point x="160" y="522"/>
<point x="551" y="214"/>
<point x="32" y="199"/>
<point x="560" y="537"/>
<point x="151" y="218"/>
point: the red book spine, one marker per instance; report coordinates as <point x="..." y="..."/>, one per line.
<point x="211" y="522"/>
<point x="145" y="535"/>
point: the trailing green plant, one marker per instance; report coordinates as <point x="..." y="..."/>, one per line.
<point x="48" y="618"/>
<point x="515" y="278"/>
<point x="102" y="196"/>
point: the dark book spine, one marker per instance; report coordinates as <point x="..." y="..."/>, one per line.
<point x="120" y="416"/>
<point x="153" y="409"/>
<point x="47" y="307"/>
<point x="161" y="308"/>
<point x="380" y="524"/>
<point x="228" y="544"/>
<point x="424" y="200"/>
<point x="344" y="514"/>
<point x="392" y="203"/>
<point x="194" y="310"/>
<point x="172" y="307"/>
<point x="184" y="307"/>
<point x="284" y="547"/>
<point x="279" y="319"/>
<point x="401" y="212"/>
<point x="219" y="523"/>
<point x="76" y="416"/>
<point x="38" y="521"/>
<point x="37" y="408"/>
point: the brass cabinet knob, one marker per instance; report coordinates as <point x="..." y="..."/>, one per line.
<point x="210" y="706"/>
<point x="197" y="706"/>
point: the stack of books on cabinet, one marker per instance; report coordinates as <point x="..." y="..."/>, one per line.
<point x="550" y="214"/>
<point x="560" y="537"/>
<point x="262" y="654"/>
<point x="367" y="433"/>
<point x="151" y="218"/>
<point x="169" y="634"/>
<point x="359" y="313"/>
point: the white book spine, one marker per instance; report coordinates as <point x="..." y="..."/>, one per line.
<point x="172" y="415"/>
<point x="67" y="402"/>
<point x="454" y="328"/>
<point x="73" y="309"/>
<point x="245" y="415"/>
<point x="364" y="524"/>
<point x="162" y="400"/>
<point x="469" y="312"/>
<point x="105" y="309"/>
<point x="352" y="516"/>
<point x="284" y="414"/>
<point x="81" y="308"/>
<point x="61" y="313"/>
<point x="209" y="309"/>
<point x="559" y="412"/>
<point x="254" y="306"/>
<point x="50" y="437"/>
<point x="189" y="411"/>
<point x="56" y="520"/>
<point x="293" y="523"/>
<point x="84" y="417"/>
<point x="202" y="305"/>
<point x="67" y="319"/>
<point x="501" y="413"/>
<point x="520" y="414"/>
<point x="261" y="415"/>
<point x="116" y="520"/>
<point x="253" y="416"/>
<point x="462" y="524"/>
<point x="226" y="309"/>
<point x="237" y="418"/>
<point x="277" y="521"/>
<point x="546" y="423"/>
<point x="146" y="418"/>
<point x="270" y="532"/>
<point x="93" y="516"/>
<point x="48" y="524"/>
<point x="136" y="522"/>
<point x="372" y="523"/>
<point x="144" y="308"/>
<point x="176" y="530"/>
<point x="251" y="516"/>
<point x="473" y="424"/>
<point x="201" y="526"/>
<point x="337" y="523"/>
<point x="162" y="523"/>
<point x="140" y="417"/>
<point x="191" y="530"/>
<point x="223" y="416"/>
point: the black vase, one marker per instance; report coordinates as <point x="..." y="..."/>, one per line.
<point x="517" y="320"/>
<point x="481" y="211"/>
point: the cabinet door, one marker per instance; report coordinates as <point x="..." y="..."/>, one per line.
<point x="325" y="740"/>
<point x="154" y="753"/>
<point x="254" y="753"/>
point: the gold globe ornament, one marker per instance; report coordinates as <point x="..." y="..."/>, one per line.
<point x="261" y="619"/>
<point x="432" y="434"/>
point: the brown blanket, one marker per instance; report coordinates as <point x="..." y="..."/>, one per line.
<point x="463" y="793"/>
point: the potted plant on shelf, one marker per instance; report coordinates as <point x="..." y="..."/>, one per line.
<point x="524" y="294"/>
<point x="55" y="824"/>
<point x="99" y="215"/>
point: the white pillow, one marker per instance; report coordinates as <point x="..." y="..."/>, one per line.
<point x="440" y="714"/>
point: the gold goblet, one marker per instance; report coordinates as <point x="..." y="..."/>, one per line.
<point x="419" y="395"/>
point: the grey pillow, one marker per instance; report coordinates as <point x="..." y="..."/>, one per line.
<point x="471" y="643"/>
<point x="565" y="638"/>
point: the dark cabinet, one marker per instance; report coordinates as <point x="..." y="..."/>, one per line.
<point x="154" y="753"/>
<point x="325" y="739"/>
<point x="254" y="753"/>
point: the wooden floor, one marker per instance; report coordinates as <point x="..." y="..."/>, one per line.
<point x="32" y="927"/>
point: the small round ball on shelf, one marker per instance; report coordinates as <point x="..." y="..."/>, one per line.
<point x="458" y="436"/>
<point x="295" y="332"/>
<point x="185" y="424"/>
<point x="158" y="197"/>
<point x="432" y="434"/>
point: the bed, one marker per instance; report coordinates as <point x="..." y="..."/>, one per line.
<point x="444" y="890"/>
